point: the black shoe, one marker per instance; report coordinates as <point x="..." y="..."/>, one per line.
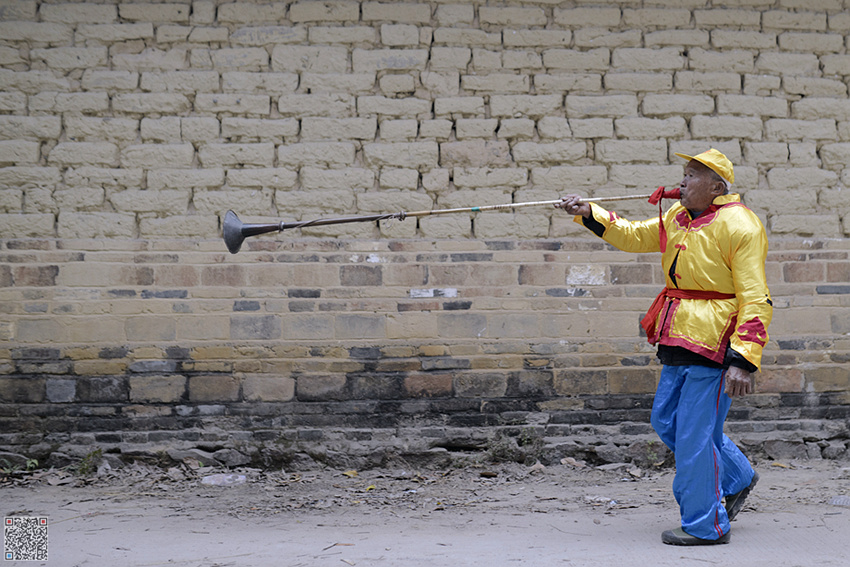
<point x="681" y="537"/>
<point x="735" y="502"/>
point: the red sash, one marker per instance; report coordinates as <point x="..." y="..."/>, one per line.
<point x="649" y="321"/>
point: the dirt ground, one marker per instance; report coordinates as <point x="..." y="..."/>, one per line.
<point x="478" y="514"/>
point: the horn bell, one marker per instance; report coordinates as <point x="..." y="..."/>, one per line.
<point x="232" y="230"/>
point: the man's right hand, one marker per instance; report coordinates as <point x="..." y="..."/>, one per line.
<point x="573" y="205"/>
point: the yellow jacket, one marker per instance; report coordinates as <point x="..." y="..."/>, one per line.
<point x="723" y="250"/>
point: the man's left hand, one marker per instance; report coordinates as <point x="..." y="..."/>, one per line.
<point x="738" y="381"/>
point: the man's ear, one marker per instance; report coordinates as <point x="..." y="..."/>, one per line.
<point x="718" y="189"/>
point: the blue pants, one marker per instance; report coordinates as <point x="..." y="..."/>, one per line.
<point x="688" y="414"/>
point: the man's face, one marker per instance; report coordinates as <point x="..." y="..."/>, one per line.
<point x="699" y="187"/>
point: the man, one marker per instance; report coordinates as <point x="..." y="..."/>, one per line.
<point x="710" y="325"/>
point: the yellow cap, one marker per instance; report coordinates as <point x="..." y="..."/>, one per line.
<point x="715" y="161"/>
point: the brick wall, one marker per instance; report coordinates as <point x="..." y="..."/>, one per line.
<point x="127" y="129"/>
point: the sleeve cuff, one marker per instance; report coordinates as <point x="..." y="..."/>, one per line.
<point x="734" y="358"/>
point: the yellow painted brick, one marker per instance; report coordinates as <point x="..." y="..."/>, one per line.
<point x="99" y="367"/>
<point x="212" y="352"/>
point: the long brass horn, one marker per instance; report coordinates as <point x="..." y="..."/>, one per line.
<point x="235" y="231"/>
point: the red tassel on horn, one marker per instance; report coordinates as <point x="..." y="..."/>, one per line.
<point x="655" y="199"/>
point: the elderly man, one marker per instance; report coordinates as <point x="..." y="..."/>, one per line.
<point x="710" y="325"/>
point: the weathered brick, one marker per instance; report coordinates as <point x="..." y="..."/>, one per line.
<point x="396" y="12"/>
<point x="399" y="35"/>
<point x="488" y="177"/>
<point x="84" y="153"/>
<point x="407" y="179"/>
<point x="533" y="38"/>
<point x="809" y="86"/>
<point x="496" y="83"/>
<point x="335" y="34"/>
<point x="316" y="154"/>
<point x="725" y="61"/>
<point x="579" y="106"/>
<point x="139" y="201"/>
<point x="421" y="155"/>
<point x="507" y="16"/>
<point x="724" y="39"/>
<point x="182" y="178"/>
<point x="624" y="151"/>
<point x="521" y="60"/>
<point x="466" y="37"/>
<point x="574" y="60"/>
<point x="592" y="127"/>
<point x="13" y="102"/>
<point x="32" y="82"/>
<point x="242" y="58"/>
<point x="308" y="105"/>
<point x="398" y="130"/>
<point x="35" y="276"/>
<point x="780" y="19"/>
<point x="788" y="63"/>
<point x="396" y="84"/>
<point x="588" y="17"/>
<point x="634" y="82"/>
<point x="265" y="82"/>
<point x="155" y="103"/>
<point x="656" y="17"/>
<point x="30" y="127"/>
<point x="94" y="80"/>
<point x="559" y="177"/>
<point x="315" y="59"/>
<point x="552" y="153"/>
<point x="773" y="153"/>
<point x="22" y="390"/>
<point x="259" y="154"/>
<point x="213" y="388"/>
<point x="632" y="381"/>
<point x="268" y="35"/>
<point x="727" y="17"/>
<point x="798" y="178"/>
<point x="661" y="105"/>
<point x="645" y="175"/>
<point x="836" y="64"/>
<point x="753" y="105"/>
<point x="812" y="108"/>
<point x="712" y="127"/>
<point x="268" y="388"/>
<point x="597" y="37"/>
<point x="407" y="107"/>
<point x="251" y="129"/>
<point x="68" y="58"/>
<point x="250" y="13"/>
<point x="650" y="128"/>
<point x="162" y="389"/>
<point x="70" y="102"/>
<point x="466" y="128"/>
<point x="370" y="61"/>
<point x="647" y="59"/>
<point x="811" y="42"/>
<point x="78" y="12"/>
<point x="361" y="83"/>
<point x="524" y="105"/>
<point x="827" y="378"/>
<point x="784" y="130"/>
<point x="325" y="11"/>
<point x="553" y="127"/>
<point x="451" y="14"/>
<point x="251" y="105"/>
<point x="18" y="10"/>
